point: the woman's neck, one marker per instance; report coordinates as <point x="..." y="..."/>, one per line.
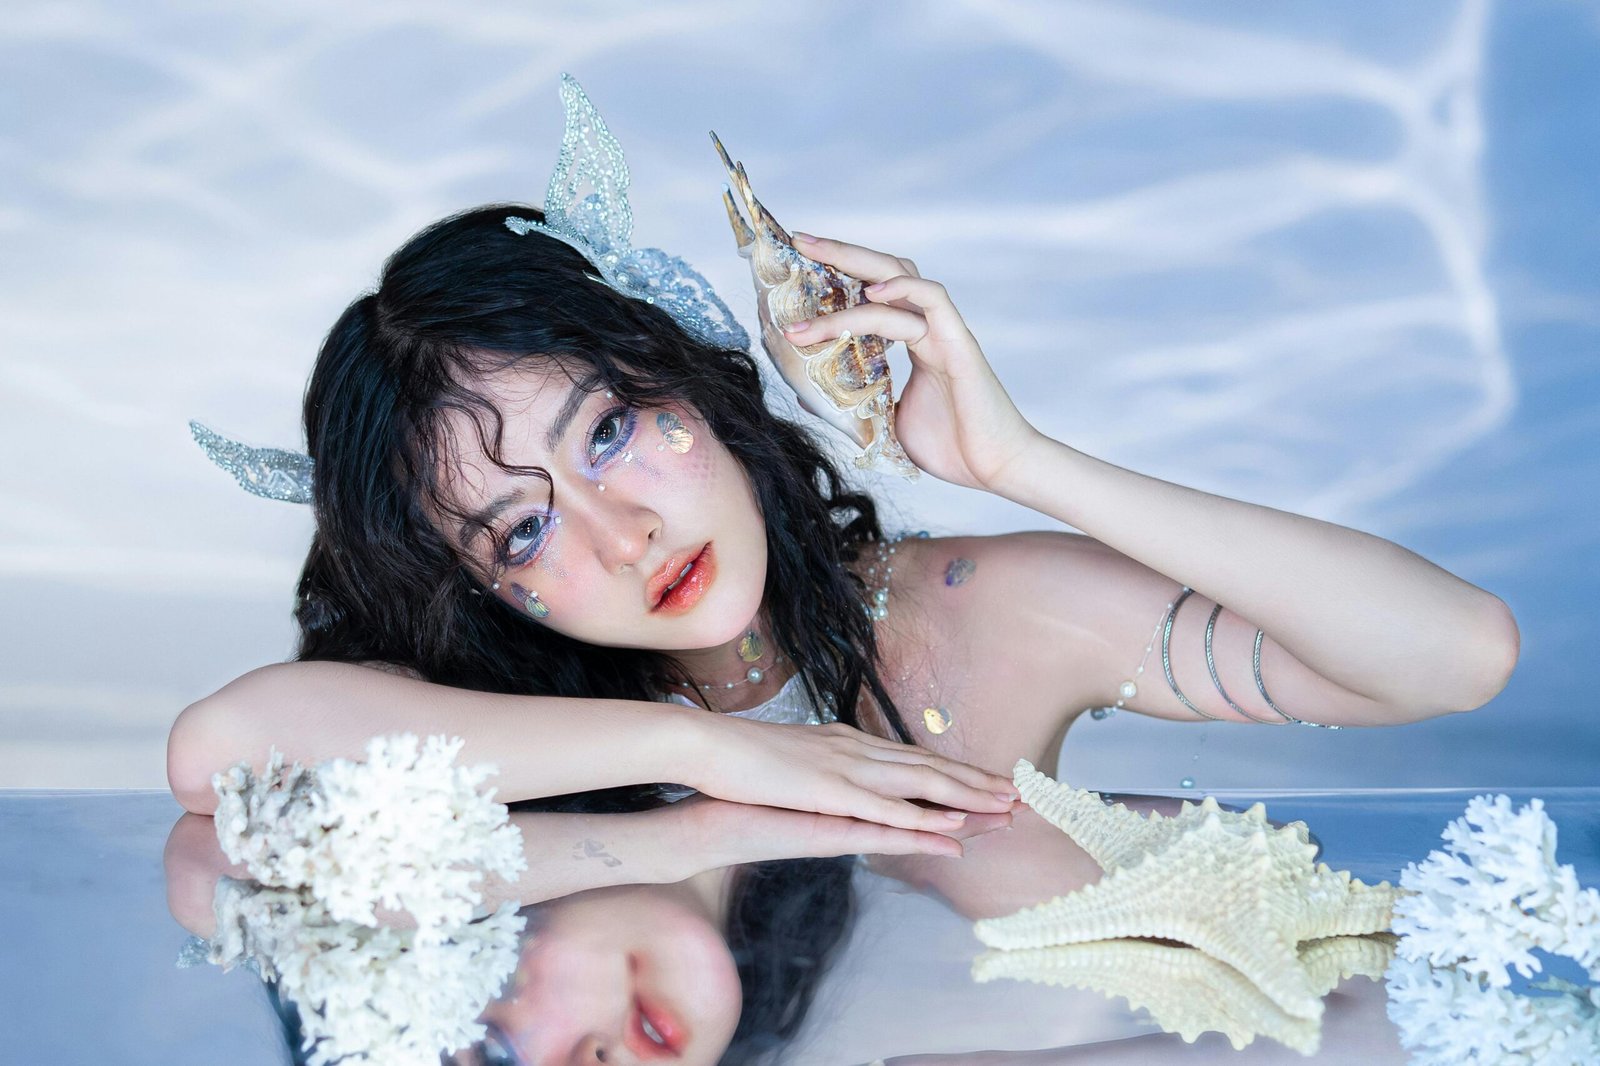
<point x="738" y="675"/>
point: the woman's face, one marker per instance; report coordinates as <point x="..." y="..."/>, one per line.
<point x="637" y="974"/>
<point x="647" y="535"/>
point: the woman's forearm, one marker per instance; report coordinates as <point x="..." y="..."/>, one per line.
<point x="1360" y="610"/>
<point x="312" y="711"/>
<point x="570" y="853"/>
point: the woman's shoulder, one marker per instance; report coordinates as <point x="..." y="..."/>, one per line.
<point x="1023" y="593"/>
<point x="978" y="567"/>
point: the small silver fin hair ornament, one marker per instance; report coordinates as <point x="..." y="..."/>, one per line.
<point x="599" y="224"/>
<point x="273" y="473"/>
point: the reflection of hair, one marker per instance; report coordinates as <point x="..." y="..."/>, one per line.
<point x="464" y="298"/>
<point x="294" y="1033"/>
<point x="785" y="922"/>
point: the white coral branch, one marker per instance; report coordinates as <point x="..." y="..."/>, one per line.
<point x="1495" y="894"/>
<point x="1450" y="1018"/>
<point x="1482" y="906"/>
<point x="404" y="829"/>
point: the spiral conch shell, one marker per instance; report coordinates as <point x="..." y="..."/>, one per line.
<point x="844" y="382"/>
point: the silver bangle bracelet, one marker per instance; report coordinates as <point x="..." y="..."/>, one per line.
<point x="1211" y="664"/>
<point x="1166" y="655"/>
<point x="1256" y="667"/>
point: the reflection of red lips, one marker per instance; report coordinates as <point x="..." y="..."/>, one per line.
<point x="663" y="1022"/>
<point x="681" y="582"/>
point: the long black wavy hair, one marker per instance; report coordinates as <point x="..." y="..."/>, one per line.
<point x="385" y="580"/>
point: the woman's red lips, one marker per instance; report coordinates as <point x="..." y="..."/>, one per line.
<point x="666" y="1026"/>
<point x="681" y="581"/>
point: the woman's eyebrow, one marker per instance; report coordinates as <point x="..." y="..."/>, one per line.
<point x="569" y="408"/>
<point x="480" y="520"/>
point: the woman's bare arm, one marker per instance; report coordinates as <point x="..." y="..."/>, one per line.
<point x="548" y="746"/>
<point x="313" y="711"/>
<point x="1362" y="612"/>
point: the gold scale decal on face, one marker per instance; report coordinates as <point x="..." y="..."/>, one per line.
<point x="677" y="435"/>
<point x="937" y="719"/>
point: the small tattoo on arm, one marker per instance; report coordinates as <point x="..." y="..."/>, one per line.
<point x="959" y="571"/>
<point x="594" y="849"/>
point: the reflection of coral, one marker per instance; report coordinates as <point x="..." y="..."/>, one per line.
<point x="1186" y="991"/>
<point x="364" y="993"/>
<point x="1482" y="906"/>
<point x="1230" y="884"/>
<point x="1449" y="1018"/>
<point x="404" y="829"/>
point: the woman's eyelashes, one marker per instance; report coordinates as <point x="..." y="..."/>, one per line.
<point x="608" y="440"/>
<point x="611" y="434"/>
<point x="523" y="540"/>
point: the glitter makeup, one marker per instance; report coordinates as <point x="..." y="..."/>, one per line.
<point x="676" y="434"/>
<point x="530" y="602"/>
<point x="959" y="571"/>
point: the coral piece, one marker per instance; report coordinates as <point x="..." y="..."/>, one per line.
<point x="404" y="829"/>
<point x="1477" y="910"/>
<point x="845" y="382"/>
<point x="1232" y="885"/>
<point x="1495" y="894"/>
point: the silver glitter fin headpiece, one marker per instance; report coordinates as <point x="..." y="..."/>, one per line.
<point x="600" y="225"/>
<point x="271" y="472"/>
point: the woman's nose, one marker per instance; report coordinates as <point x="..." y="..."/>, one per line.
<point x="592" y="1050"/>
<point x="623" y="531"/>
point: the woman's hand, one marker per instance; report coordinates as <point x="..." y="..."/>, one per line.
<point x="954" y="419"/>
<point x="721" y="834"/>
<point x="838" y="770"/>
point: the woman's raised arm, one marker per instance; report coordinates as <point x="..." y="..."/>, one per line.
<point x="551" y="746"/>
<point x="1381" y="622"/>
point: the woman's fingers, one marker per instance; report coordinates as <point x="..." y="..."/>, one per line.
<point x="921" y="781"/>
<point x="976" y="776"/>
<point x="903" y="814"/>
<point x="890" y="323"/>
<point x="836" y="835"/>
<point x="864" y="264"/>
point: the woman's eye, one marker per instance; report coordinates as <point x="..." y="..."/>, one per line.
<point x="613" y="431"/>
<point x="524" y="536"/>
<point x="496" y="1049"/>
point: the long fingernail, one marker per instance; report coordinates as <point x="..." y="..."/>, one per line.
<point x="804" y="238"/>
<point x="1007" y="796"/>
<point x="798" y="327"/>
<point x="956" y="816"/>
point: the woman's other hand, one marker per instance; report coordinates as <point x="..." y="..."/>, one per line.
<point x="955" y="420"/>
<point x="838" y="770"/>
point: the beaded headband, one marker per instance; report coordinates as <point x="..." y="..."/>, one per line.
<point x="598" y="224"/>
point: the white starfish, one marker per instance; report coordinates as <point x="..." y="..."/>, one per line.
<point x="1186" y="991"/>
<point x="1233" y="885"/>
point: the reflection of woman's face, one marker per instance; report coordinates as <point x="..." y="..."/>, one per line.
<point x="627" y="975"/>
<point x="648" y="534"/>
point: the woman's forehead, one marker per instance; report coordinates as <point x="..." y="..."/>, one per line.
<point x="529" y="400"/>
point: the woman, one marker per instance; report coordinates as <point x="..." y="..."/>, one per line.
<point x="512" y="548"/>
